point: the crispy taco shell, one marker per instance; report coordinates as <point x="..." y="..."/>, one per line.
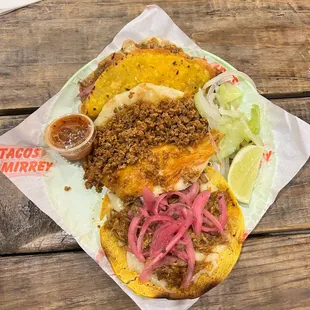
<point x="153" y="61"/>
<point x="222" y="257"/>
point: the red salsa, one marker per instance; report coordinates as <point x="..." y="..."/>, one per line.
<point x="71" y="135"/>
<point x="69" y="131"/>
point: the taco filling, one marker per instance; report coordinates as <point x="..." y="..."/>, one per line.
<point x="169" y="232"/>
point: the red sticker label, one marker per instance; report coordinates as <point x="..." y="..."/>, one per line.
<point x="23" y="160"/>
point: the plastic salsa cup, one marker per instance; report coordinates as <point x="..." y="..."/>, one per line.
<point x="71" y="135"/>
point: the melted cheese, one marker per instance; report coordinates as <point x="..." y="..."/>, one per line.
<point x="115" y="202"/>
<point x="149" y="92"/>
<point x="180" y="185"/>
<point x="174" y="164"/>
<point x="212" y="258"/>
<point x="199" y="257"/>
<point x="208" y="186"/>
<point x="135" y="265"/>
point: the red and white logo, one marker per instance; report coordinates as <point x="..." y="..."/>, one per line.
<point x="18" y="160"/>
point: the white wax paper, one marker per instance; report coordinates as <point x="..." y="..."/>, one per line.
<point x="7" y="6"/>
<point x="77" y="211"/>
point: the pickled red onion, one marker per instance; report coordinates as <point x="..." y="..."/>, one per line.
<point x="174" y="220"/>
<point x="148" y="199"/>
<point x="144" y="212"/>
<point x="198" y="207"/>
<point x="177" y="207"/>
<point x="209" y="229"/>
<point x="215" y="221"/>
<point x="168" y="260"/>
<point x="132" y="236"/>
<point x="151" y="265"/>
<point x="180" y="254"/>
<point x="145" y="226"/>
<point x="190" y="262"/>
<point x="161" y="238"/>
<point x="223" y="209"/>
<point x="160" y="198"/>
<point x="192" y="191"/>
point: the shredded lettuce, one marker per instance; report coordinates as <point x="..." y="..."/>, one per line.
<point x="221" y="110"/>
<point x="234" y="134"/>
<point x="254" y="122"/>
<point x="229" y="95"/>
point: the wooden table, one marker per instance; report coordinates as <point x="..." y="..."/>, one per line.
<point x="41" y="46"/>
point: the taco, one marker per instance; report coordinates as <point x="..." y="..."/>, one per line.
<point x="153" y="61"/>
<point x="151" y="136"/>
<point x="177" y="245"/>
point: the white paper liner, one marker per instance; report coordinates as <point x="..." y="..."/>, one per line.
<point x="7" y="6"/>
<point x="77" y="211"/>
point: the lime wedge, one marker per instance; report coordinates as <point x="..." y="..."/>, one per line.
<point x="243" y="172"/>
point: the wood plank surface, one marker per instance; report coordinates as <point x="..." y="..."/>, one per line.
<point x="42" y="45"/>
<point x="26" y="229"/>
<point x="272" y="273"/>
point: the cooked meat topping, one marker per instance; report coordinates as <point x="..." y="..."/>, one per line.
<point x="205" y="242"/>
<point x="133" y="130"/>
<point x="190" y="175"/>
<point x="154" y="43"/>
<point x="147" y="240"/>
<point x="118" y="224"/>
<point x="172" y="274"/>
<point x="212" y="204"/>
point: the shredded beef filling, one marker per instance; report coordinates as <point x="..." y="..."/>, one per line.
<point x="205" y="242"/>
<point x="172" y="274"/>
<point x="118" y="222"/>
<point x="133" y="130"/>
<point x="175" y="273"/>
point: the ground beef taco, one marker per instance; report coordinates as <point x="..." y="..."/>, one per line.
<point x="151" y="136"/>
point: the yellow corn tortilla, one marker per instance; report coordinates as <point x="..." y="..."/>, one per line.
<point x="225" y="261"/>
<point x="158" y="66"/>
